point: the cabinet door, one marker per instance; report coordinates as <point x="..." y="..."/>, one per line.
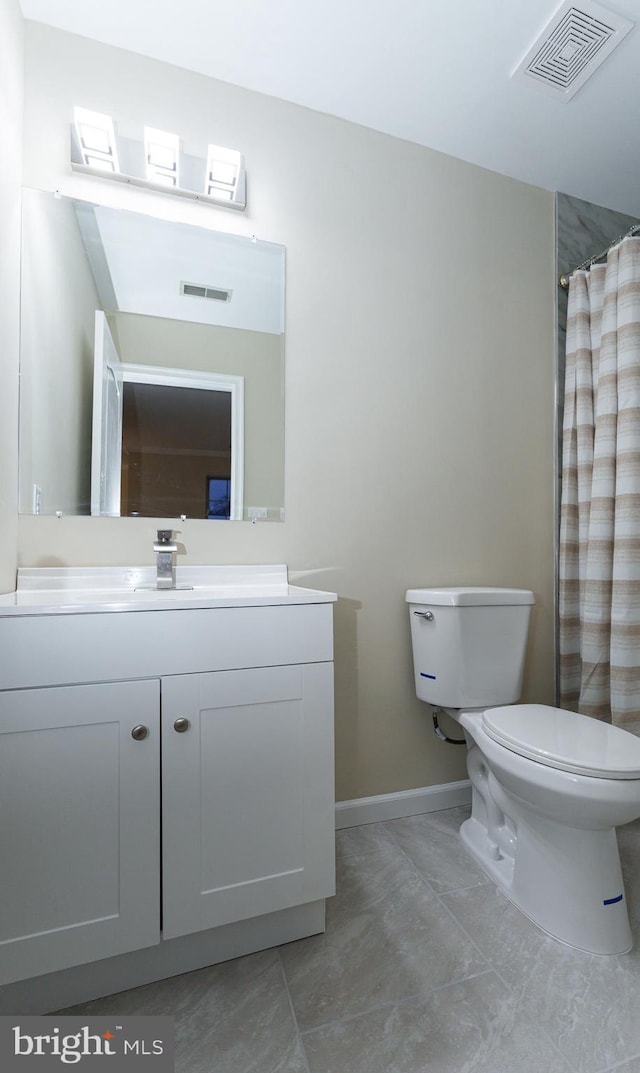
<point x="79" y="831"/>
<point x="248" y="803"/>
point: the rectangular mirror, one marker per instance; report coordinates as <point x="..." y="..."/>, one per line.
<point x="152" y="366"/>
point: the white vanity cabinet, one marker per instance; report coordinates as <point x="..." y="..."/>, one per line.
<point x="80" y="827"/>
<point x="245" y="781"/>
<point x="163" y="774"/>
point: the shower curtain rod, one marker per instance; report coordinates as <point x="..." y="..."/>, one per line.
<point x="565" y="277"/>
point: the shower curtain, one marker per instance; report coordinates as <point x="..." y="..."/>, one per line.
<point x="599" y="596"/>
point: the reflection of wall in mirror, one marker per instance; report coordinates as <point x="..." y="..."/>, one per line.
<point x="59" y="300"/>
<point x="257" y="356"/>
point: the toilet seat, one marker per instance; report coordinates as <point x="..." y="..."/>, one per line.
<point x="562" y="739"/>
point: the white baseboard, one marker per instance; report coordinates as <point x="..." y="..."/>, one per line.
<point x="404" y="803"/>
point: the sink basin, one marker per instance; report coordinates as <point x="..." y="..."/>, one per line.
<point x="55" y="590"/>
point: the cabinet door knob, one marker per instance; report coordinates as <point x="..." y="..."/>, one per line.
<point x="140" y="732"/>
<point x="181" y="725"/>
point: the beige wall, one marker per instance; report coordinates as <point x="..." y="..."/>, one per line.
<point x="11" y="64"/>
<point x="57" y="344"/>
<point x="419" y="378"/>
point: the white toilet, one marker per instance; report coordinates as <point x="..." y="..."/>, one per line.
<point x="549" y="787"/>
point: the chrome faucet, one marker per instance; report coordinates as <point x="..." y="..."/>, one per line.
<point x="165" y="548"/>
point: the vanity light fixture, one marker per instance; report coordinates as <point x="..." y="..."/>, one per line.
<point x="97" y="140"/>
<point x="223" y="171"/>
<point x="157" y="162"/>
<point x="162" y="156"/>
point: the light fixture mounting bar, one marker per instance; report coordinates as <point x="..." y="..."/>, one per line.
<point x="157" y="162"/>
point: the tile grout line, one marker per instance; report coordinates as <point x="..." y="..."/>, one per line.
<point x="406" y="1000"/>
<point x="515" y="993"/>
<point x="423" y="879"/>
<point x="510" y="990"/>
<point x="492" y="967"/>
<point x="303" y="1049"/>
<point x="414" y="995"/>
<point x="619" y="1065"/>
<point x="419" y="994"/>
<point x="429" y="887"/>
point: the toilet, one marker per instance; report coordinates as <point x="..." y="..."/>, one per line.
<point x="548" y="786"/>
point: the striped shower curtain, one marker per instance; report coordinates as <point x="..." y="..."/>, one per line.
<point x="599" y="598"/>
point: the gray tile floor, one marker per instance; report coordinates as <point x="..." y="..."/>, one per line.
<point x="424" y="968"/>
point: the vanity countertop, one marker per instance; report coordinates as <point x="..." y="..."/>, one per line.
<point x="86" y="590"/>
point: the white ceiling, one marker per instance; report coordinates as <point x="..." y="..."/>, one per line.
<point x="148" y="258"/>
<point x="436" y="72"/>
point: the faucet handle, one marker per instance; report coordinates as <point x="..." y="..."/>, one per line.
<point x="165" y="541"/>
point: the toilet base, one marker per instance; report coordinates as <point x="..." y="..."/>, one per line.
<point x="567" y="881"/>
<point x="481" y="848"/>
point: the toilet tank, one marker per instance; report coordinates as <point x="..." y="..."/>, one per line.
<point x="469" y="644"/>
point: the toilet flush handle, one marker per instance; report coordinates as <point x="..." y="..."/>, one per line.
<point x="428" y="615"/>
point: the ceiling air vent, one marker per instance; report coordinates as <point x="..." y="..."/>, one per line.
<point x="576" y="41"/>
<point x="198" y="290"/>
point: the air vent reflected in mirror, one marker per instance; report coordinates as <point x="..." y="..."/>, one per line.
<point x="199" y="290"/>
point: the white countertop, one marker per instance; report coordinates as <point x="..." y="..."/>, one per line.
<point x="86" y="590"/>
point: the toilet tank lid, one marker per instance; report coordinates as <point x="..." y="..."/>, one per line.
<point x="469" y="596"/>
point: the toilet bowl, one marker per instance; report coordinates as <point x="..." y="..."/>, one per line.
<point x="549" y="787"/>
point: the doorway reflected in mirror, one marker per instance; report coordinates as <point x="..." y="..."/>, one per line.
<point x="171" y="439"/>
